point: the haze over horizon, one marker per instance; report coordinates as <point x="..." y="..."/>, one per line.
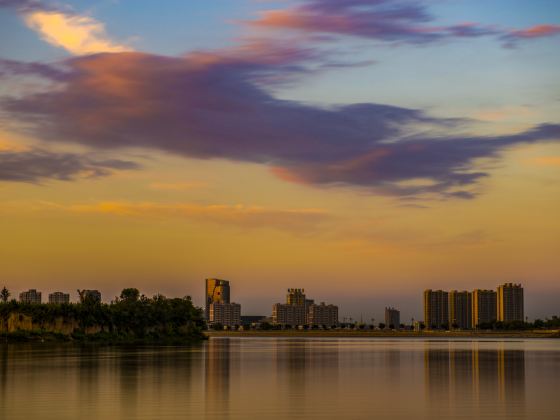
<point x="364" y="150"/>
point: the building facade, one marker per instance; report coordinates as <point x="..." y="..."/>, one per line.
<point x="31" y="296"/>
<point x="436" y="309"/>
<point x="289" y="315"/>
<point x="484" y="307"/>
<point x="227" y="314"/>
<point x="59" y="298"/>
<point x="322" y="315"/>
<point x="392" y="318"/>
<point x="460" y="309"/>
<point x="510" y="303"/>
<point x="217" y="291"/>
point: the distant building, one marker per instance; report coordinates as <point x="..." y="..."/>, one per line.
<point x="436" y="309"/>
<point x="484" y="307"/>
<point x="59" y="298"/>
<point x="392" y="317"/>
<point x="326" y="315"/>
<point x="510" y="303"/>
<point x="217" y="291"/>
<point x="289" y="315"/>
<point x="31" y="296"/>
<point x="87" y="295"/>
<point x="227" y="314"/>
<point x="460" y="309"/>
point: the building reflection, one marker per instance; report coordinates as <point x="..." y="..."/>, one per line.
<point x="482" y="379"/>
<point x="217" y="368"/>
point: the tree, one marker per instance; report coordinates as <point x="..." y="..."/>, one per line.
<point x="381" y="326"/>
<point x="130" y="294"/>
<point x="5" y="294"/>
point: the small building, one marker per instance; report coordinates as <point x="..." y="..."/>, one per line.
<point x="59" y="298"/>
<point x="31" y="296"/>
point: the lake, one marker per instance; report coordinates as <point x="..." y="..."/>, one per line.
<point x="280" y="378"/>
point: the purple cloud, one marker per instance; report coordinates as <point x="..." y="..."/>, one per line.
<point x="37" y="165"/>
<point x="213" y="106"/>
<point x="399" y="21"/>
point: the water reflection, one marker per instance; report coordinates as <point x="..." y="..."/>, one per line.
<point x="483" y="380"/>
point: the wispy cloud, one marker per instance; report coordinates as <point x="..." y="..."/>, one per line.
<point x="37" y="165"/>
<point x="395" y="21"/>
<point x="233" y="215"/>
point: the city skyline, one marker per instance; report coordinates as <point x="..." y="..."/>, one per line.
<point x="390" y="145"/>
<point x="454" y="309"/>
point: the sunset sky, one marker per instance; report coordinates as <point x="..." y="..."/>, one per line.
<point x="364" y="150"/>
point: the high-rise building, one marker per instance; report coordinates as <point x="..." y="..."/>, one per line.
<point x="460" y="309"/>
<point x="510" y="303"/>
<point x="322" y="315"/>
<point x="59" y="298"/>
<point x="227" y="314"/>
<point x="484" y="307"/>
<point x="392" y="318"/>
<point x="436" y="309"/>
<point x="31" y="296"/>
<point x="217" y="291"/>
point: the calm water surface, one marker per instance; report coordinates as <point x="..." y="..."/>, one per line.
<point x="250" y="378"/>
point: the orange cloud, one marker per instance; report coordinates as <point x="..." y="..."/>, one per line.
<point x="237" y="215"/>
<point x="77" y="34"/>
<point x="538" y="31"/>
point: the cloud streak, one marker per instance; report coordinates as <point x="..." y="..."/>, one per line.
<point x="35" y="166"/>
<point x="395" y="21"/>
<point x="239" y="216"/>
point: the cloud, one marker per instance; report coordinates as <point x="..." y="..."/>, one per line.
<point x="77" y="34"/>
<point x="546" y="161"/>
<point x="213" y="106"/>
<point x="36" y="165"/>
<point x="237" y="215"/>
<point x="397" y="21"/>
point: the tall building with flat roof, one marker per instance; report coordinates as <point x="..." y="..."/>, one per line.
<point x="484" y="307"/>
<point x="59" y="298"/>
<point x="31" y="296"/>
<point x="217" y="291"/>
<point x="510" y="303"/>
<point x="436" y="309"/>
<point x="227" y="314"/>
<point x="392" y="317"/>
<point x="460" y="309"/>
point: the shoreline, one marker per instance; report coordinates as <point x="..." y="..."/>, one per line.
<point x="549" y="334"/>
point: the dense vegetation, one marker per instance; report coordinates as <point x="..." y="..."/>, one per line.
<point x="130" y="317"/>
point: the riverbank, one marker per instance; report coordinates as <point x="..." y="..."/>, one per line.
<point x="100" y="338"/>
<point x="385" y="334"/>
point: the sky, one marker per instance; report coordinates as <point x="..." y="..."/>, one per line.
<point x="364" y="150"/>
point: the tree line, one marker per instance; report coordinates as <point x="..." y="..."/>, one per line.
<point x="131" y="316"/>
